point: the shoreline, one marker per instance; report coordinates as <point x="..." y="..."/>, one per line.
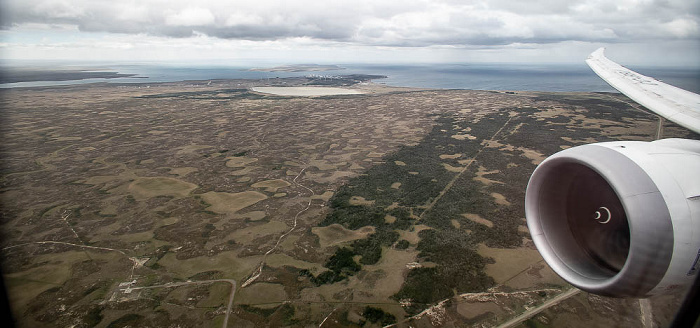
<point x="463" y="77"/>
<point x="113" y="78"/>
<point x="367" y="87"/>
<point x="24" y="76"/>
<point x="347" y="85"/>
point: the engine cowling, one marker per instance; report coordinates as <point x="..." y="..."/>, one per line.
<point x="619" y="218"/>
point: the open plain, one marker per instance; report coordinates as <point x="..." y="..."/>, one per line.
<point x="209" y="204"/>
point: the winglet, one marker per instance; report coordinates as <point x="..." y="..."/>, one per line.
<point x="675" y="104"/>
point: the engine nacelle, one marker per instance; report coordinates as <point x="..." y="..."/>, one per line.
<point x="619" y="218"/>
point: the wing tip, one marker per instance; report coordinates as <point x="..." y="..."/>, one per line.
<point x="598" y="54"/>
<point x="660" y="101"/>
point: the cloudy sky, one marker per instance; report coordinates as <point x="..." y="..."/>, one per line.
<point x="642" y="32"/>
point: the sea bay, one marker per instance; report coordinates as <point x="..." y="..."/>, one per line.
<point x="472" y="76"/>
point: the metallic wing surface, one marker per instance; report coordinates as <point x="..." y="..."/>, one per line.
<point x="675" y="104"/>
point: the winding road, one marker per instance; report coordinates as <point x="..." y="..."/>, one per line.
<point x="279" y="240"/>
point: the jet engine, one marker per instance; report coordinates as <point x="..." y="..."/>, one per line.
<point x="619" y="218"/>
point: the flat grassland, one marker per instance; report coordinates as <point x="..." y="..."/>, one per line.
<point x="143" y="206"/>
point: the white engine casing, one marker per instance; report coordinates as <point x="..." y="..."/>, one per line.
<point x="644" y="242"/>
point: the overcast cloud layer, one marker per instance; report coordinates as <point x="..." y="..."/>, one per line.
<point x="362" y="24"/>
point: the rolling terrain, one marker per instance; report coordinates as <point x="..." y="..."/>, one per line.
<point x="209" y="204"/>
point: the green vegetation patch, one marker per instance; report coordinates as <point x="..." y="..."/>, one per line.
<point x="453" y="249"/>
<point x="257" y="310"/>
<point x="422" y="177"/>
<point x="376" y="315"/>
<point x="93" y="316"/>
<point x="127" y="320"/>
<point x="282" y="315"/>
<point x="423" y="174"/>
<point x="402" y="244"/>
<point x="460" y="268"/>
<point x="340" y="266"/>
<point x="371" y="248"/>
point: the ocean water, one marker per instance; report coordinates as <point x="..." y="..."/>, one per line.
<point x="511" y="77"/>
<point x="521" y="77"/>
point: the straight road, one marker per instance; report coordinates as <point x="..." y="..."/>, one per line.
<point x="185" y="283"/>
<point x="532" y="312"/>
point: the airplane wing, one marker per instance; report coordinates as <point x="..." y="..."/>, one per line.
<point x="675" y="104"/>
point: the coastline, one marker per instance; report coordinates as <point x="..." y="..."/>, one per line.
<point x="296" y="87"/>
<point x="28" y="75"/>
<point x="464" y="77"/>
<point x="443" y="76"/>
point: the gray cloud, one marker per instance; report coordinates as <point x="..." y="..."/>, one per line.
<point x="366" y="22"/>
